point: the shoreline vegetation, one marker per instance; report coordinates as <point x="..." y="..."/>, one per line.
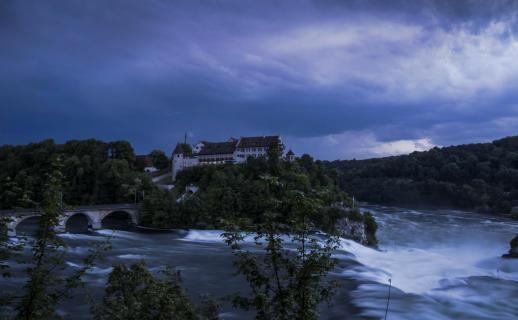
<point x="481" y="176"/>
<point x="269" y="198"/>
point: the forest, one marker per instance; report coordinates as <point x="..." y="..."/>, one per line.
<point x="482" y="176"/>
<point x="95" y="172"/>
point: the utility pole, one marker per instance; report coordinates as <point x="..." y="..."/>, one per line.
<point x="185" y="138"/>
<point x="388" y="299"/>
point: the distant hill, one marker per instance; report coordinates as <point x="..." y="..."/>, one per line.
<point x="481" y="176"/>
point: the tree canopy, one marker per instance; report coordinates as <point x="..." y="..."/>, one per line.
<point x="482" y="176"/>
<point x="94" y="172"/>
<point x="240" y="190"/>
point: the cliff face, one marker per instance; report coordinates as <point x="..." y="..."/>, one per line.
<point x="354" y="230"/>
<point x="513" y="250"/>
<point x="358" y="227"/>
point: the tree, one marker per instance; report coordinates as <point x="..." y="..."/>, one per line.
<point x="121" y="150"/>
<point x="10" y="193"/>
<point x="135" y="293"/>
<point x="275" y="150"/>
<point x="88" y="164"/>
<point x="284" y="285"/>
<point x="41" y="295"/>
<point x="371" y="227"/>
<point x="47" y="279"/>
<point x="475" y="176"/>
<point x="157" y="209"/>
<point x="159" y="159"/>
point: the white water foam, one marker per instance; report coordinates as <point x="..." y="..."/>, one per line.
<point x="204" y="235"/>
<point x="216" y="236"/>
<point x="422" y="270"/>
<point x="100" y="271"/>
<point x="132" y="256"/>
<point x="74" y="265"/>
<point x="80" y="236"/>
<point x="118" y="234"/>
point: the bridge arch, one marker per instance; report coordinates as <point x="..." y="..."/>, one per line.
<point x="16" y="222"/>
<point x="115" y="218"/>
<point x="90" y="220"/>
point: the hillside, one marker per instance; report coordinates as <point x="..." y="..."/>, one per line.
<point x="94" y="172"/>
<point x="482" y="176"/>
<point x="252" y="192"/>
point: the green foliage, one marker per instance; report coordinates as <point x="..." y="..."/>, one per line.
<point x="371" y="227"/>
<point x="355" y="215"/>
<point x="41" y="290"/>
<point x="160" y="160"/>
<point x="239" y="190"/>
<point x="481" y="176"/>
<point x="94" y="172"/>
<point x="284" y="284"/>
<point x="47" y="279"/>
<point x="135" y="293"/>
<point x="156" y="209"/>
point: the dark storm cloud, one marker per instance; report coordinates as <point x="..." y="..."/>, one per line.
<point x="319" y="71"/>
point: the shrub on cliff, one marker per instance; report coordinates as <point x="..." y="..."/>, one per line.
<point x="370" y="228"/>
<point x="239" y="190"/>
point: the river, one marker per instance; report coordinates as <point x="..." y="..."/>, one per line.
<point x="443" y="264"/>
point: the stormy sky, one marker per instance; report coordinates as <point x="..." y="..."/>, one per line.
<point x="337" y="79"/>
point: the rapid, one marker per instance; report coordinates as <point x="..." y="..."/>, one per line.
<point x="442" y="264"/>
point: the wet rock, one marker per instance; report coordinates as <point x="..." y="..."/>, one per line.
<point x="513" y="251"/>
<point x="351" y="229"/>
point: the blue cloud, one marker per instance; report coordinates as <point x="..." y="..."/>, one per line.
<point x="402" y="71"/>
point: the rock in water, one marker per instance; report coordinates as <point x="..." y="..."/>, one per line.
<point x="354" y="230"/>
<point x="513" y="251"/>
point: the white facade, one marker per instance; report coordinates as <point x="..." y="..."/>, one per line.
<point x="232" y="151"/>
<point x="181" y="162"/>
<point x="241" y="154"/>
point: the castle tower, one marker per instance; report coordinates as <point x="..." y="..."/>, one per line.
<point x="290" y="156"/>
<point x="178" y="162"/>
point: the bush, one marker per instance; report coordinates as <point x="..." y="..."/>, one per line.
<point x="370" y="228"/>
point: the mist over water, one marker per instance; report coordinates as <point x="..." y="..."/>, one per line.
<point x="443" y="264"/>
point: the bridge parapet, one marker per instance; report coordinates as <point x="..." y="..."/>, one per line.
<point x="95" y="215"/>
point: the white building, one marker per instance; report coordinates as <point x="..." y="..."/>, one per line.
<point x="231" y="151"/>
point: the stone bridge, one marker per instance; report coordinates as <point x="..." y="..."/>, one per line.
<point x="95" y="215"/>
